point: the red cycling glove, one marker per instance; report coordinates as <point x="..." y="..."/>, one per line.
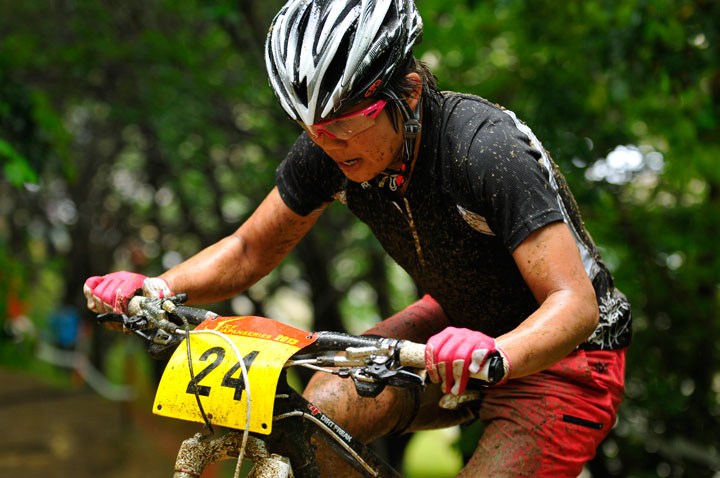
<point x="453" y="355"/>
<point x="111" y="293"/>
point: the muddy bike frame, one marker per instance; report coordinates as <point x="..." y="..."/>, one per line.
<point x="297" y="424"/>
<point x="371" y="362"/>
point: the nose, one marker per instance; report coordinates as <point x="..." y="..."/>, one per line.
<point x="329" y="144"/>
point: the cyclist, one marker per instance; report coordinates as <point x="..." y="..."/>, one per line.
<point x="463" y="196"/>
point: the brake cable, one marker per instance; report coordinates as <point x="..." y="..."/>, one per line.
<point x="246" y="382"/>
<point x="169" y="307"/>
<point x="192" y="378"/>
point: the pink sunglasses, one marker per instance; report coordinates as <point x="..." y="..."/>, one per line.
<point x="350" y="124"/>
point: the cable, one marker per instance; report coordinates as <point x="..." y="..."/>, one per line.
<point x="246" y="382"/>
<point x="169" y="306"/>
<point x="192" y="378"/>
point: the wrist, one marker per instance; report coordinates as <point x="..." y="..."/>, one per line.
<point x="156" y="287"/>
<point x="500" y="373"/>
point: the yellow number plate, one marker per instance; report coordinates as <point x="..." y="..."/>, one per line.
<point x="265" y="346"/>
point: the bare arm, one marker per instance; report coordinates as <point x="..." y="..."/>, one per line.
<point x="236" y="262"/>
<point x="550" y="263"/>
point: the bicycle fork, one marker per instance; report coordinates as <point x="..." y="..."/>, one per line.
<point x="198" y="452"/>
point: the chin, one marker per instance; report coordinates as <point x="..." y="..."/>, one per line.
<point x="360" y="178"/>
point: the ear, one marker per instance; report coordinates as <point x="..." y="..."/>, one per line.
<point x="414" y="97"/>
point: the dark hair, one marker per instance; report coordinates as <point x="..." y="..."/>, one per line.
<point x="405" y="87"/>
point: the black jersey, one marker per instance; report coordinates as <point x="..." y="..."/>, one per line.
<point x="481" y="184"/>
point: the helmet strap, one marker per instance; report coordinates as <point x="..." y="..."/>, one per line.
<point x="411" y="130"/>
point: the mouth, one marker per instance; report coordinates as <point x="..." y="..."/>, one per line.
<point x="351" y="167"/>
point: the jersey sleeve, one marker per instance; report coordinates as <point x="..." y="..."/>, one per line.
<point x="502" y="174"/>
<point x="307" y="178"/>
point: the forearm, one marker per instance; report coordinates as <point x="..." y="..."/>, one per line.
<point x="233" y="264"/>
<point x="555" y="329"/>
<point x="216" y="273"/>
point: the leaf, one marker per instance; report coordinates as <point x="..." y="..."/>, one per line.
<point x="16" y="168"/>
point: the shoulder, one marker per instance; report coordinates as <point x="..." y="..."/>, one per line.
<point x="305" y="151"/>
<point x="469" y="121"/>
<point x="307" y="177"/>
<point x="493" y="166"/>
<point x="464" y="114"/>
<point x="479" y="141"/>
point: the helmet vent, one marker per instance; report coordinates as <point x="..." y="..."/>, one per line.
<point x="323" y="55"/>
<point x="301" y="91"/>
<point x="336" y="69"/>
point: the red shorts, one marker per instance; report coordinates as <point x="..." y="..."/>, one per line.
<point x="548" y="424"/>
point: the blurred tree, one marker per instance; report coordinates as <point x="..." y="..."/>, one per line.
<point x="626" y="96"/>
<point x="175" y="137"/>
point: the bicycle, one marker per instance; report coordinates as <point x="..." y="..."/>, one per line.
<point x="278" y="425"/>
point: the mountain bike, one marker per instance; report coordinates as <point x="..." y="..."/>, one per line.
<point x="230" y="372"/>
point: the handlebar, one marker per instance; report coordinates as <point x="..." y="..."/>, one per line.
<point x="166" y="319"/>
<point x="359" y="347"/>
<point x="169" y="316"/>
<point x="372" y="362"/>
<point x="412" y="354"/>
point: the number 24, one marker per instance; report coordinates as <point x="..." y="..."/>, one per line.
<point x="228" y="380"/>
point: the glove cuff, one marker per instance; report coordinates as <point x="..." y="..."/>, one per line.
<point x="506" y="366"/>
<point x="156" y="287"/>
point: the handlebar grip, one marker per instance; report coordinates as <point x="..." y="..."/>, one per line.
<point x="133" y="306"/>
<point x="412" y="354"/>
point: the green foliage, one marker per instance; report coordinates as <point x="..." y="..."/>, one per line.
<point x="588" y="77"/>
<point x="16" y="168"/>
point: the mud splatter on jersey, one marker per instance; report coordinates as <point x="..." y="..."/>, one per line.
<point x="482" y="183"/>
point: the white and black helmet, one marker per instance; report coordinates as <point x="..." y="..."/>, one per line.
<point x="323" y="53"/>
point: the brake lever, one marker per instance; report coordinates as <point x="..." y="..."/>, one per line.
<point x="111" y="317"/>
<point x="405" y="378"/>
<point x="134" y="323"/>
<point x="137" y="322"/>
<point x="372" y="379"/>
<point x="395" y="377"/>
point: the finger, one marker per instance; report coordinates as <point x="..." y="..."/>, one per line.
<point x="448" y="355"/>
<point x="479" y="357"/>
<point x="441" y="371"/>
<point x="156" y="287"/>
<point x="432" y="350"/>
<point x="104" y="289"/>
<point x="111" y="293"/>
<point x="462" y="358"/>
<point x="90" y="298"/>
<point x="89" y="291"/>
<point x="93" y="282"/>
<point x="460" y="377"/>
<point x="430" y="364"/>
<point x="119" y="301"/>
<point x="104" y="307"/>
<point x="97" y="305"/>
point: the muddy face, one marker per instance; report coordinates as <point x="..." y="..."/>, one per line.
<point x="367" y="154"/>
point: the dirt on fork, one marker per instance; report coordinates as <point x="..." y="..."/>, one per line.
<point x="59" y="432"/>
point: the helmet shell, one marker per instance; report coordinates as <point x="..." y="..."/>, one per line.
<point x="321" y="54"/>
